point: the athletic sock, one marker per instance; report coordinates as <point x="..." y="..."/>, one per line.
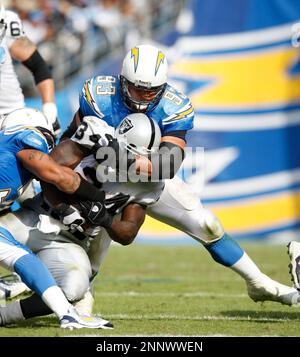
<point x="225" y="251"/>
<point x="56" y="300"/>
<point x="228" y="252"/>
<point x="246" y="268"/>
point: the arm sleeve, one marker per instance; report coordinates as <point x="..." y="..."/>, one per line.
<point x="38" y="67"/>
<point x="167" y="161"/>
<point x="177" y="134"/>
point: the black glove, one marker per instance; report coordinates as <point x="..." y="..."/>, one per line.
<point x="96" y="213"/>
<point x="113" y="155"/>
<point x="113" y="204"/>
<point x="69" y="216"/>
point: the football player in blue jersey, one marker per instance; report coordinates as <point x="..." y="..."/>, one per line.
<point x="25" y="142"/>
<point x="142" y="87"/>
<point x="130" y="202"/>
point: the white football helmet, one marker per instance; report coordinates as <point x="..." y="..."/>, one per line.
<point x="30" y="117"/>
<point x="143" y="77"/>
<point x="3" y="25"/>
<point x="139" y="134"/>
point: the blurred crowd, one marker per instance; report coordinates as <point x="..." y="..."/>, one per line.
<point x="72" y="34"/>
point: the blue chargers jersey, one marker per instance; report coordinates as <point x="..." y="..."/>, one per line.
<point x="13" y="176"/>
<point x="101" y="96"/>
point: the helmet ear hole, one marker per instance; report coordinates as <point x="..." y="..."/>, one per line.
<point x="139" y="134"/>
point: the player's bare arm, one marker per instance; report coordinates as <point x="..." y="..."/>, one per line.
<point x="25" y="51"/>
<point x="125" y="230"/>
<point x="174" y="140"/>
<point x="22" y="48"/>
<point x="69" y="154"/>
<point x="46" y="169"/>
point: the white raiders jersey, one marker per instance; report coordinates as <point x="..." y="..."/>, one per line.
<point x="118" y="194"/>
<point x="11" y="96"/>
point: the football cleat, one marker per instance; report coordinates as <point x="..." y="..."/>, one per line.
<point x="265" y="289"/>
<point x="12" y="286"/>
<point x="73" y="321"/>
<point x="294" y="266"/>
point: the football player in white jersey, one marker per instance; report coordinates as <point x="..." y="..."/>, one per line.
<point x="75" y="258"/>
<point x="14" y="44"/>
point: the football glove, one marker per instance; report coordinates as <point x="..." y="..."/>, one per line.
<point x="96" y="213"/>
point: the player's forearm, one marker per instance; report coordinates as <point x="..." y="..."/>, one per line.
<point x="125" y="230"/>
<point x="122" y="232"/>
<point x="46" y="169"/>
<point x="65" y="179"/>
<point x="46" y="90"/>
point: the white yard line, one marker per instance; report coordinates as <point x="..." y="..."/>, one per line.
<point x="196" y="318"/>
<point x="171" y="294"/>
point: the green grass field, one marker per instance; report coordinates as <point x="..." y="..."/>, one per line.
<point x="179" y="290"/>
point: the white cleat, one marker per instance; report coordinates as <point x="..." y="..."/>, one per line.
<point x="294" y="266"/>
<point x="12" y="286"/>
<point x="73" y="321"/>
<point x="265" y="289"/>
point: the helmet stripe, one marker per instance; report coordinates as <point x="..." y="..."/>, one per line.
<point x="152" y="134"/>
<point x="159" y="60"/>
<point x="135" y="55"/>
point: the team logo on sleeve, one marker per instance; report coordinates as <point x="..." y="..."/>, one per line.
<point x="125" y="126"/>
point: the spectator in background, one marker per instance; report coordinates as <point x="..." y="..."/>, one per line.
<point x="73" y="35"/>
<point x="17" y="45"/>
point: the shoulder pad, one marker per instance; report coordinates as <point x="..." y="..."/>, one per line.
<point x="34" y="140"/>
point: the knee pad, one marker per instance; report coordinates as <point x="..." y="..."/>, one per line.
<point x="211" y="227"/>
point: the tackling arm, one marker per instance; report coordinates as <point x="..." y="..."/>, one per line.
<point x="64" y="178"/>
<point x="46" y="169"/>
<point x="166" y="162"/>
